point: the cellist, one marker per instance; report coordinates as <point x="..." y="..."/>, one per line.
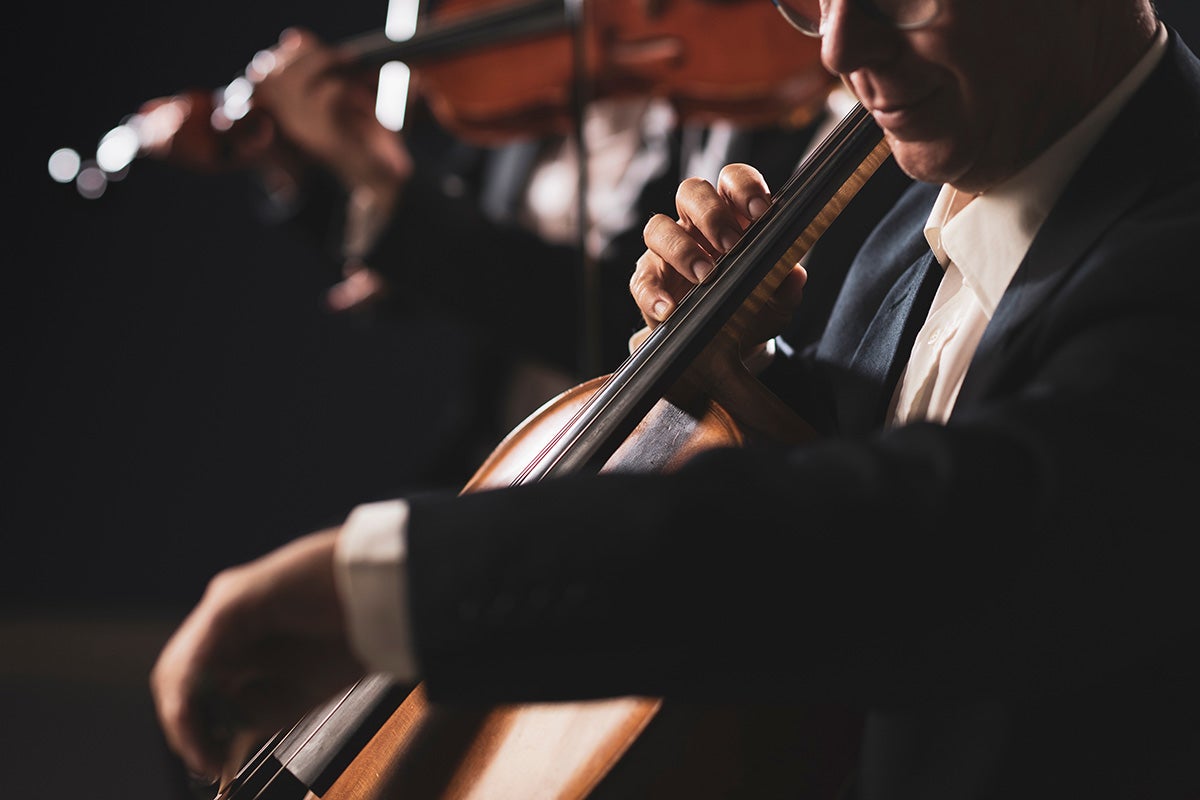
<point x="984" y="550"/>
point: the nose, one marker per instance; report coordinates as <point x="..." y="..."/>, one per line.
<point x="852" y="39"/>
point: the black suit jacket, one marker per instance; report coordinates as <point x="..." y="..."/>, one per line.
<point x="1010" y="599"/>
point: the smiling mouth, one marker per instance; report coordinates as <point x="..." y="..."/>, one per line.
<point x="895" y="117"/>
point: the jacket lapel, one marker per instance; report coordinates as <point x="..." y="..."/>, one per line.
<point x="1114" y="177"/>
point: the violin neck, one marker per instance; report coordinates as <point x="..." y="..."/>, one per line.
<point x="443" y="38"/>
<point x="742" y="280"/>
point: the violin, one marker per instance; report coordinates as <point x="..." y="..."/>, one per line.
<point x="685" y="389"/>
<point x="672" y="49"/>
<point x="494" y="70"/>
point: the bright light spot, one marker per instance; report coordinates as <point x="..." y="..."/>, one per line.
<point x="391" y="101"/>
<point x="401" y="21"/>
<point x="64" y="165"/>
<point x="91" y="181"/>
<point x="235" y="99"/>
<point x="156" y="128"/>
<point x="261" y="65"/>
<point x="117" y="149"/>
<point x="219" y="121"/>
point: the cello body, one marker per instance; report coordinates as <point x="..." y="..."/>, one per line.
<point x="614" y="748"/>
<point x="684" y="390"/>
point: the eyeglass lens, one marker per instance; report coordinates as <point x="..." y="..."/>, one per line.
<point x="905" y="14"/>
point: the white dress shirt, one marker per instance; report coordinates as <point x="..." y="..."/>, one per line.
<point x="979" y="241"/>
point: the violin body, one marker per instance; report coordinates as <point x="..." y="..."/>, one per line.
<point x="678" y="50"/>
<point x="527" y="73"/>
<point x="687" y="51"/>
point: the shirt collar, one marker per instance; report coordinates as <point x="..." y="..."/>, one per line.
<point x="987" y="236"/>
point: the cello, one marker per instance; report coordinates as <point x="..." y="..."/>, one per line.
<point x="683" y="390"/>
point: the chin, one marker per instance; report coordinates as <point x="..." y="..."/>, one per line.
<point x="929" y="162"/>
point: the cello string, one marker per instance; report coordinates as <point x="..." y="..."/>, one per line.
<point x="283" y="740"/>
<point x="252" y="766"/>
<point x="590" y="428"/>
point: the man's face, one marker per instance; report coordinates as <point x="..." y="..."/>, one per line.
<point x="976" y="95"/>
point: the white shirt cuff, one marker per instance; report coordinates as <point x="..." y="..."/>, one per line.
<point x="369" y="569"/>
<point x="761" y="357"/>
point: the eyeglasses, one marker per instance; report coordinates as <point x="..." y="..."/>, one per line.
<point x="808" y="16"/>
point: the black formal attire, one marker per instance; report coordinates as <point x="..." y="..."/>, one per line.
<point x="1008" y="598"/>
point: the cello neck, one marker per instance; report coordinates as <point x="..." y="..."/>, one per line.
<point x="743" y="279"/>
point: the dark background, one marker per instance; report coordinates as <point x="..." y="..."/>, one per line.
<point x="175" y="400"/>
<point x="176" y="395"/>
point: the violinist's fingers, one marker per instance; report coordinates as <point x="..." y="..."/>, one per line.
<point x="277" y="56"/>
<point x="360" y="288"/>
<point x="156" y="103"/>
<point x="257" y="138"/>
<point x="328" y="114"/>
<point x="296" y="45"/>
<point x="744" y="189"/>
<point x="296" y="61"/>
<point x="161" y="119"/>
<point x="292" y="78"/>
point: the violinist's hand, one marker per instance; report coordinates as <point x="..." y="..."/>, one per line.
<point x="360" y="288"/>
<point x="682" y="252"/>
<point x="327" y="110"/>
<point x="266" y="644"/>
<point x="180" y="130"/>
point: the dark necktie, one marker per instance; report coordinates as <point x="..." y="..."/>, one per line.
<point x="884" y="349"/>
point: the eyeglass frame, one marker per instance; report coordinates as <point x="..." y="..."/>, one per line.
<point x="869" y="8"/>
